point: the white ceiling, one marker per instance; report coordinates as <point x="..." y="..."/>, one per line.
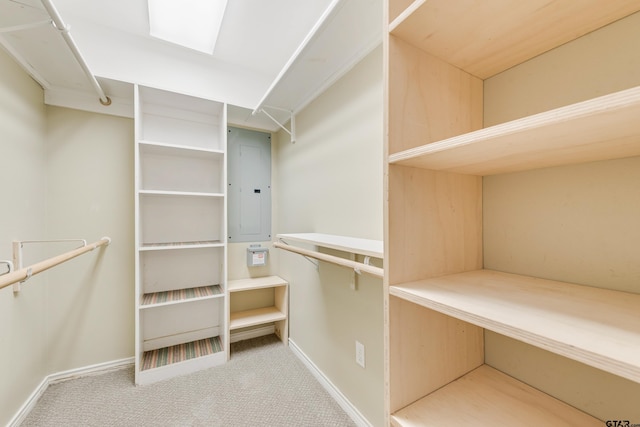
<point x="279" y="53"/>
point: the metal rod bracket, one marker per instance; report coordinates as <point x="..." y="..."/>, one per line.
<point x="292" y="121"/>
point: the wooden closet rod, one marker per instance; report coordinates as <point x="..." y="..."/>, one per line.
<point x="25" y="273"/>
<point x="357" y="266"/>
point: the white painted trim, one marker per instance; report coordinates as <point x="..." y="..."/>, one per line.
<point x="22" y="413"/>
<point x="61" y="97"/>
<point x="100" y="368"/>
<point x="87" y="371"/>
<point x="252" y="333"/>
<point x="337" y="395"/>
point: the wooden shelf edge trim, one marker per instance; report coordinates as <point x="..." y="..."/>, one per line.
<point x="613" y="104"/>
<point x="621" y="365"/>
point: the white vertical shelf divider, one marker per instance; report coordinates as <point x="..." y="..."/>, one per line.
<point x="181" y="302"/>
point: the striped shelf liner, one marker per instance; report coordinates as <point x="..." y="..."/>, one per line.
<point x="181" y="294"/>
<point x="194" y="242"/>
<point x="179" y="353"/>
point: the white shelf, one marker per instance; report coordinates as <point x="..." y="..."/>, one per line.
<point x="179" y="193"/>
<point x="601" y="128"/>
<point x="180" y="296"/>
<point x="255" y="283"/>
<point x="166" y="218"/>
<point x="595" y="326"/>
<point x="258" y="316"/>
<point x="181" y="245"/>
<point x="164" y="168"/>
<point x="182" y="365"/>
<point x="152" y="147"/>
<point x="488" y="397"/>
<point x="367" y="247"/>
<point x="483" y="41"/>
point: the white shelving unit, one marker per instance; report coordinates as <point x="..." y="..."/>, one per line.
<point x="278" y="314"/>
<point x="439" y="298"/>
<point x="181" y="296"/>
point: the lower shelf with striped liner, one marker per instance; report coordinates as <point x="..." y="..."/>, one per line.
<point x="181" y="294"/>
<point x="181" y="352"/>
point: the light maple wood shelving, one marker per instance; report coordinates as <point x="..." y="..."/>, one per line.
<point x="439" y="300"/>
<point x="277" y="314"/>
<point x="181" y="299"/>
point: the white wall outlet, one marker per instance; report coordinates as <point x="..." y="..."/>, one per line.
<point x="360" y="353"/>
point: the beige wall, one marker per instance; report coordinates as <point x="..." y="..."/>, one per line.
<point x="90" y="195"/>
<point x="22" y="207"/>
<point x="67" y="174"/>
<point x="576" y="223"/>
<point x="330" y="181"/>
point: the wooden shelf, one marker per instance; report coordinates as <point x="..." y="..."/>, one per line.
<point x="259" y="316"/>
<point x="601" y="128"/>
<point x="255" y="283"/>
<point x="595" y="326"/>
<point x="483" y="41"/>
<point x="367" y="247"/>
<point x="159" y="299"/>
<point x="488" y="397"/>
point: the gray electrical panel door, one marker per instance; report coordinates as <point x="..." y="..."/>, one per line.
<point x="249" y="180"/>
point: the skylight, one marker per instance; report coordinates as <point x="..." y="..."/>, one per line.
<point x="190" y="23"/>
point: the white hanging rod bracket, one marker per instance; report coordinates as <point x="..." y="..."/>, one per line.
<point x="24" y="274"/>
<point x="292" y="121"/>
<point x="316" y="264"/>
<point x="9" y="265"/>
<point x="64" y="31"/>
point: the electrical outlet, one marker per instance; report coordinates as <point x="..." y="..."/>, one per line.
<point x="360" y="353"/>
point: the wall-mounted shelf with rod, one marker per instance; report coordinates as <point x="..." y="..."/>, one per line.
<point x="365" y="247"/>
<point x="15" y="277"/>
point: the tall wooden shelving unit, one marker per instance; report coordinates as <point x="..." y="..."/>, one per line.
<point x="181" y="296"/>
<point x="440" y="299"/>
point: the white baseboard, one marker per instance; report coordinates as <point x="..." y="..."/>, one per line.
<point x="58" y="377"/>
<point x="337" y="395"/>
<point x="252" y="333"/>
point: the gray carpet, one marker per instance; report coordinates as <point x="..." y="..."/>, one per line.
<point x="264" y="384"/>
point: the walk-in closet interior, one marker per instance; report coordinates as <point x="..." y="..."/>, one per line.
<point x="432" y="205"/>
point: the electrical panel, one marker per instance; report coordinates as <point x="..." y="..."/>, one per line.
<point x="249" y="185"/>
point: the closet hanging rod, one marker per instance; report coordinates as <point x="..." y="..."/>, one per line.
<point x="25" y="273"/>
<point x="357" y="266"/>
<point x="59" y="24"/>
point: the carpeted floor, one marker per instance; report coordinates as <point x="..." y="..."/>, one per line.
<point x="264" y="384"/>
